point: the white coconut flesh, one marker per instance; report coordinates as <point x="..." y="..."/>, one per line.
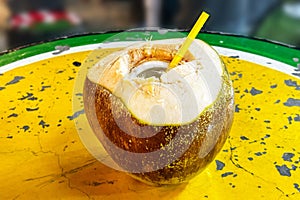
<point x="157" y="96"/>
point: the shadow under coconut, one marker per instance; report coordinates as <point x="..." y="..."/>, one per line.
<point x="99" y="181"/>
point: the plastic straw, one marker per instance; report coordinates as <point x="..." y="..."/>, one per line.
<point x="188" y="41"/>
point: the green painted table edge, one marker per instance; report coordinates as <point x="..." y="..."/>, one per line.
<point x="283" y="53"/>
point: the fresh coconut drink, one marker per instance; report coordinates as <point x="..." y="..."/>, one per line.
<point x="161" y="125"/>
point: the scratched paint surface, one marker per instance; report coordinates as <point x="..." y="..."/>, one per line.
<point x="41" y="155"/>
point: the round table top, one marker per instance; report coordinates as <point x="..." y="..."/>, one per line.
<point x="42" y="155"/>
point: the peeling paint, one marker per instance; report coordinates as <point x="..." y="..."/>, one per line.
<point x="220" y="165"/>
<point x="292" y="102"/>
<point x="16" y="79"/>
<point x="283" y="170"/>
<point x="254" y="91"/>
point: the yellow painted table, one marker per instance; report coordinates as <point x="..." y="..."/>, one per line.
<point x="42" y="156"/>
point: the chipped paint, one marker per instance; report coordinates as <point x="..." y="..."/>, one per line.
<point x="254" y="91"/>
<point x="61" y="49"/>
<point x="288" y="156"/>
<point x="220" y="165"/>
<point x="292" y="102"/>
<point x="76" y="114"/>
<point x="15" y="80"/>
<point x="76" y="64"/>
<point x="283" y="170"/>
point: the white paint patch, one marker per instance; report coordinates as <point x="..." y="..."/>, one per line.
<point x="296" y="59"/>
<point x="261" y="60"/>
<point x="47" y="55"/>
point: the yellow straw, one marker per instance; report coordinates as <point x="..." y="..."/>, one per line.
<point x="188" y="41"/>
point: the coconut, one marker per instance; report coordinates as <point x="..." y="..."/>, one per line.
<point x="162" y="126"/>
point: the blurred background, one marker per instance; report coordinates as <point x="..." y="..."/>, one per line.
<point x="26" y="21"/>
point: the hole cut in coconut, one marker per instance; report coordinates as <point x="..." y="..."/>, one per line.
<point x="141" y="81"/>
<point x="149" y="69"/>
